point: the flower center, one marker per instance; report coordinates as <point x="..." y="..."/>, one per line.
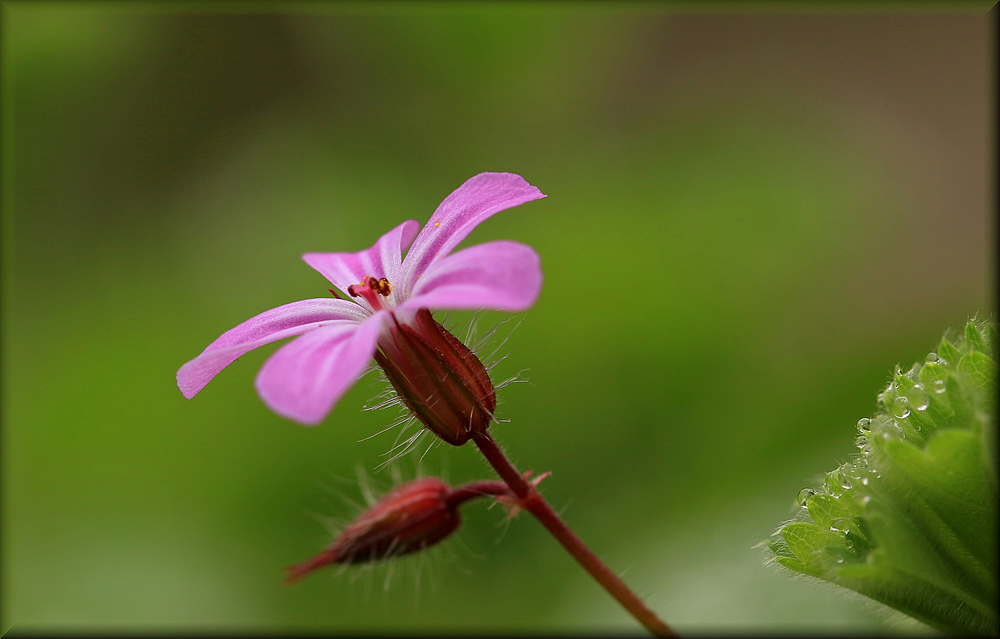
<point x="371" y="289"/>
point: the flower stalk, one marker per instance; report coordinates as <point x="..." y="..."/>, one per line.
<point x="532" y="501"/>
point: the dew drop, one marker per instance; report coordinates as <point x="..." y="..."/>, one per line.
<point x="932" y="358"/>
<point x="864" y="424"/>
<point x="846" y="483"/>
<point x="891" y="429"/>
<point x="939" y="386"/>
<point x="918" y="397"/>
<point x="866" y="500"/>
<point x="840" y="560"/>
<point x="841" y="524"/>
<point x="804" y="496"/>
<point x="864" y="481"/>
<point x="901" y="407"/>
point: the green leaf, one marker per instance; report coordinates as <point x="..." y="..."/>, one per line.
<point x="990" y="334"/>
<point x="989" y="440"/>
<point x="793" y="563"/>
<point x="780" y="548"/>
<point x="811" y="546"/>
<point x="934" y="379"/>
<point x="981" y="370"/>
<point x="975" y="339"/>
<point x="948" y="352"/>
<point x="911" y="520"/>
<point x="948" y="478"/>
<point x="824" y="509"/>
<point x="903" y="384"/>
<point x="962" y="398"/>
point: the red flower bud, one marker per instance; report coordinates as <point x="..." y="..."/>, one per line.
<point x="441" y="381"/>
<point x="411" y="517"/>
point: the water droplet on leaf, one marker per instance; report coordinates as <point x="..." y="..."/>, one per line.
<point x="901" y="407"/>
<point x="918" y="397"/>
<point x="864" y="424"/>
<point x="939" y="386"/>
<point x="932" y="358"/>
<point x="804" y="496"/>
<point x="891" y="429"/>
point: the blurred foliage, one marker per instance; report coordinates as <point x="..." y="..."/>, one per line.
<point x="748" y="218"/>
<point x="911" y="520"/>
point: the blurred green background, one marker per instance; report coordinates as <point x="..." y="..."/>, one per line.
<point x="751" y="218"/>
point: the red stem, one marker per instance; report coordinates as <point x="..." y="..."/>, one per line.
<point x="533" y="502"/>
<point x="475" y="489"/>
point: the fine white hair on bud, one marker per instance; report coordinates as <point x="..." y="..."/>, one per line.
<point x="453" y="395"/>
<point x="410" y="518"/>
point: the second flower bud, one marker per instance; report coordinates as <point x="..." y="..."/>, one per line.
<point x="409" y="518"/>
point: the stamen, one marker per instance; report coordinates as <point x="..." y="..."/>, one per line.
<point x="382" y="287"/>
<point x="370" y="289"/>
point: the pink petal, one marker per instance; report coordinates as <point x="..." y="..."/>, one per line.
<point x="480" y="197"/>
<point x="381" y="260"/>
<point x="305" y="378"/>
<point x="499" y="275"/>
<point x="285" y="321"/>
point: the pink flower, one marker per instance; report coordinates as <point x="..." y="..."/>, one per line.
<point x="304" y="379"/>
